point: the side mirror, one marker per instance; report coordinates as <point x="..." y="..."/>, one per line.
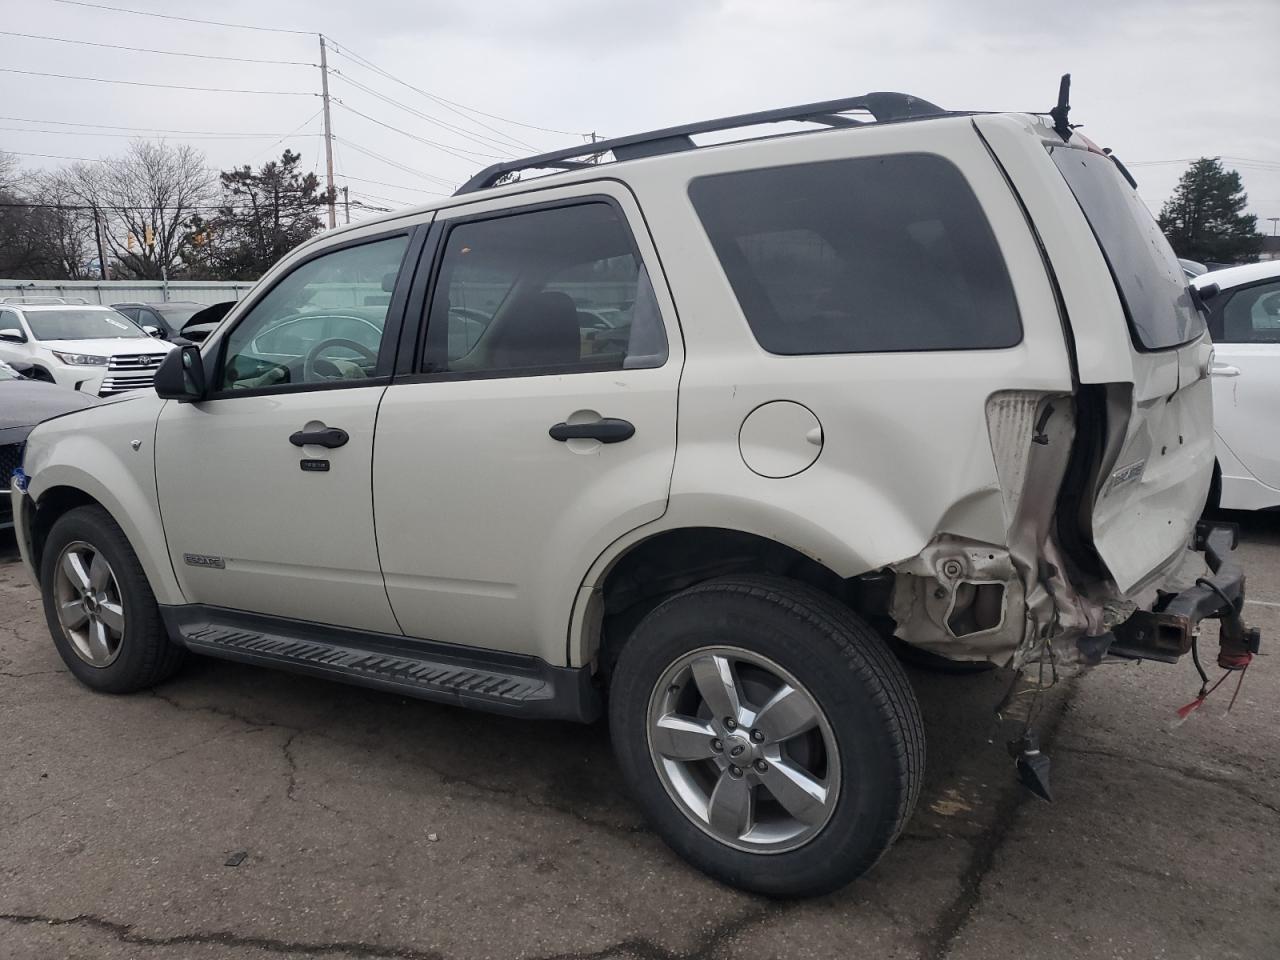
<point x="12" y="335"/>
<point x="22" y="369"/>
<point x="152" y="331"/>
<point x="180" y="375"/>
<point x="1208" y="291"/>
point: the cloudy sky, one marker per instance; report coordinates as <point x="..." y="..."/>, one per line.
<point x="1160" y="81"/>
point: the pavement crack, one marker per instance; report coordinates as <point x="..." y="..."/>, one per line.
<point x="1191" y="773"/>
<point x="124" y="933"/>
<point x="947" y="929"/>
<point x="257" y="722"/>
<point x="33" y="673"/>
<point x="292" y="764"/>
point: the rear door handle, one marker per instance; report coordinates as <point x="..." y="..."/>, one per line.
<point x="607" y="430"/>
<point x="1224" y="370"/>
<point x="324" y="437"/>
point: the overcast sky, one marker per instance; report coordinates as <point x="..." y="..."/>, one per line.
<point x="1157" y="80"/>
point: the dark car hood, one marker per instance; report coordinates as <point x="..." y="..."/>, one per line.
<point x="24" y="403"/>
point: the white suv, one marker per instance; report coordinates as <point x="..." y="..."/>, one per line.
<point x="696" y="432"/>
<point x="94" y="349"/>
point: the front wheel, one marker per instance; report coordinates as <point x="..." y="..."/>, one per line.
<point x="768" y="733"/>
<point x="100" y="609"/>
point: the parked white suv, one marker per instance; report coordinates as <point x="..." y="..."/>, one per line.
<point x="94" y="349"/>
<point x="696" y="431"/>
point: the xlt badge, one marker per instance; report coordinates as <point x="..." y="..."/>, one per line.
<point x="200" y="560"/>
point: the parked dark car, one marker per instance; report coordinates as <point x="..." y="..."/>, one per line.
<point x="168" y="318"/>
<point x="202" y="323"/>
<point x="23" y="404"/>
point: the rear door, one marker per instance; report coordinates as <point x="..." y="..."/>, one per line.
<point x="1246" y="393"/>
<point x="536" y="422"/>
<point x="1136" y="331"/>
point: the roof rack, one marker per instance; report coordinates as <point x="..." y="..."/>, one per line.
<point x="885" y="107"/>
<point x="37" y="301"/>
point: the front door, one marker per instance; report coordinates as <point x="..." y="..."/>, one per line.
<point x="264" y="487"/>
<point x="1246" y="393"/>
<point x="539" y="423"/>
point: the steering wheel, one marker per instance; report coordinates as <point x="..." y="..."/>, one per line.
<point x="315" y="367"/>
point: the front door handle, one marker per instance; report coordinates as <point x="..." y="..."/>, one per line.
<point x="607" y="430"/>
<point x="324" y="437"/>
<point x="1224" y="370"/>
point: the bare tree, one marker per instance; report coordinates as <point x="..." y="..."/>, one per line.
<point x="67" y="227"/>
<point x="147" y="199"/>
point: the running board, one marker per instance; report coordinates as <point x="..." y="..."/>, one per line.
<point x="489" y="680"/>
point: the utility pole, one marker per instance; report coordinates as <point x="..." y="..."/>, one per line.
<point x="103" y="269"/>
<point x="346" y="203"/>
<point x="328" y="133"/>
<point x="1273" y="221"/>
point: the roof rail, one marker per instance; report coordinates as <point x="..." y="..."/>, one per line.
<point x="885" y="107"/>
<point x="38" y="300"/>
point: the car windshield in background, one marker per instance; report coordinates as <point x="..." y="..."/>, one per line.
<point x="1152" y="284"/>
<point x="72" y="324"/>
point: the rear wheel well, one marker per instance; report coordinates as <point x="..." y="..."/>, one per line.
<point x="55" y="502"/>
<point x="675" y="560"/>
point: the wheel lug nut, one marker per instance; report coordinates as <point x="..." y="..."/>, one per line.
<point x="717" y="745"/>
<point x="757" y="736"/>
<point x="735" y="771"/>
<point x="761" y="766"/>
<point x="730" y="723"/>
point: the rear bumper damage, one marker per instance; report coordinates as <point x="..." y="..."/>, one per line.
<point x="1167" y="631"/>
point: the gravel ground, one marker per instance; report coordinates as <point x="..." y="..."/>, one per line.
<point x="365" y="825"/>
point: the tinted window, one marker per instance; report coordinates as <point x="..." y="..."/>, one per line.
<point x="1151" y="282"/>
<point x="860" y="256"/>
<point x="1252" y="315"/>
<point x="559" y="290"/>
<point x="323" y="323"/>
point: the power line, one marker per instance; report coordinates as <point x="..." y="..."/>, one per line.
<point x="480" y="139"/>
<point x="167" y="53"/>
<point x="376" y="196"/>
<point x="54" y="156"/>
<point x="166" y="86"/>
<point x="458" y="152"/>
<point x="394" y="186"/>
<point x="169" y="16"/>
<point x="116" y="126"/>
<point x="394" y="163"/>
<point x="134" y="136"/>
<point x="369" y="64"/>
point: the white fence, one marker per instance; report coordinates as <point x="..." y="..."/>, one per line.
<point x="129" y="291"/>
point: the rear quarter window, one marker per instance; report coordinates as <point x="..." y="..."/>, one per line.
<point x="1151" y="283"/>
<point x="864" y="255"/>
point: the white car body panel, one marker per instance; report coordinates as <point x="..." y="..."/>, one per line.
<point x="1246" y="396"/>
<point x="486" y="524"/>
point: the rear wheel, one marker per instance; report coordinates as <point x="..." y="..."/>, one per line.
<point x="768" y="733"/>
<point x="100" y="609"/>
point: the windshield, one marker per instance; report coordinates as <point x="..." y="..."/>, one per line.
<point x="83" y="324"/>
<point x="1151" y="283"/>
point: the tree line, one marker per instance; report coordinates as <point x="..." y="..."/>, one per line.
<point x="155" y="211"/>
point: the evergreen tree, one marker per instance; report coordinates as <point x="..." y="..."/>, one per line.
<point x="1205" y="219"/>
<point x="263" y="216"/>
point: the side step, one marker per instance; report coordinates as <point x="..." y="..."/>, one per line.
<point x="489" y="680"/>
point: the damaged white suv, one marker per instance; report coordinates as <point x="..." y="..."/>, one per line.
<point x="695" y="433"/>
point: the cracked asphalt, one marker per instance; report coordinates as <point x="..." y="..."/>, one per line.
<point x="374" y="826"/>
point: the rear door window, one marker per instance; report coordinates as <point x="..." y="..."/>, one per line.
<point x="1148" y="277"/>
<point x="1252" y="315"/>
<point x="865" y="255"/>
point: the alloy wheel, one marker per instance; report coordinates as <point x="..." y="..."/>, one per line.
<point x="743" y="749"/>
<point x="90" y="607"/>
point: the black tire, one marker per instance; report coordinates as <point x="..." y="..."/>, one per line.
<point x="850" y="674"/>
<point x="935" y="662"/>
<point x="146" y="655"/>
